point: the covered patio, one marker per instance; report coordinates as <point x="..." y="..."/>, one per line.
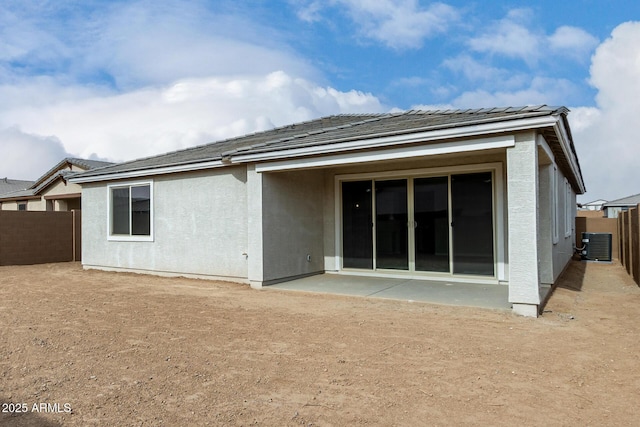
<point x="413" y="290"/>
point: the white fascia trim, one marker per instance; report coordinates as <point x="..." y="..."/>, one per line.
<point x="149" y="172"/>
<point x="573" y="163"/>
<point x="504" y="141"/>
<point x="383" y="141"/>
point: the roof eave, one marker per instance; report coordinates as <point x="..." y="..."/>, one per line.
<point x="566" y="143"/>
<point x="140" y="173"/>
<point x="18" y="198"/>
<point x="348" y="144"/>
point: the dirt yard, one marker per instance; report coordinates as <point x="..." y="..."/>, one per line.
<point x="89" y="348"/>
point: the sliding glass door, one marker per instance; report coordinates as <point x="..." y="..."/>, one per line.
<point x="431" y="223"/>
<point x="425" y="224"/>
<point x="392" y="216"/>
<point x="472" y="223"/>
<point x="357" y="225"/>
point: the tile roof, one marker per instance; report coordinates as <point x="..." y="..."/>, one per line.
<point x="625" y="201"/>
<point x="330" y="130"/>
<point x="50" y="176"/>
<point x="10" y="185"/>
<point x="82" y="163"/>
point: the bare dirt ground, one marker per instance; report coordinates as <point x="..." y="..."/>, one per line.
<point x="125" y="350"/>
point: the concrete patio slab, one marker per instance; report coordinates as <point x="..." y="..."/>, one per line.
<point x="437" y="292"/>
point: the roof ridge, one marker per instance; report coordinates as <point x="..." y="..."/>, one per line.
<point x="247" y="135"/>
<point x="484" y="110"/>
<point x="377" y="116"/>
<point x="518" y="112"/>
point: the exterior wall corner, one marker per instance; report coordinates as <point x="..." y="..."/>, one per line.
<point x="522" y="197"/>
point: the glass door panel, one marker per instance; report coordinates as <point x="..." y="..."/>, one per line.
<point x="472" y="223"/>
<point x="357" y="225"/>
<point x="392" y="243"/>
<point x="431" y="222"/>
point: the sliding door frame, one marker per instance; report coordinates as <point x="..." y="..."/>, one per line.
<point x="498" y="205"/>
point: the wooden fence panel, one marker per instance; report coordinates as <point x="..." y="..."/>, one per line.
<point x="635" y="246"/>
<point x="627" y="240"/>
<point x="77" y="235"/>
<point x="621" y="237"/>
<point x="630" y="243"/>
<point x="36" y="237"/>
<point x="629" y="247"/>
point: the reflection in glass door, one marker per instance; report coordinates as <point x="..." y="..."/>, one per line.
<point x="450" y="219"/>
<point x="431" y="222"/>
<point x="392" y="245"/>
<point x="472" y="223"/>
<point x="357" y="225"/>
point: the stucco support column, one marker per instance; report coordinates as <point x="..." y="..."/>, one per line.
<point x="522" y="197"/>
<point x="255" y="245"/>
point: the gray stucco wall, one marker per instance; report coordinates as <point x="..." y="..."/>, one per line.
<point x="200" y="222"/>
<point x="545" y="221"/>
<point x="292" y="224"/>
<point x="563" y="250"/>
<point x="555" y="247"/>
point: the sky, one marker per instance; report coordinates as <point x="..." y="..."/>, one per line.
<point x="118" y="80"/>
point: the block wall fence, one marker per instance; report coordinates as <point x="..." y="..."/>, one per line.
<point x="39" y="237"/>
<point x="629" y="245"/>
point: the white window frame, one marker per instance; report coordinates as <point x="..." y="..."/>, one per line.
<point x="130" y="237"/>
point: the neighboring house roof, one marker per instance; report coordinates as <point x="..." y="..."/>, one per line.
<point x="625" y="201"/>
<point x="10" y="185"/>
<point x="595" y="203"/>
<point x="68" y="162"/>
<point x="328" y="134"/>
<point x="35" y="187"/>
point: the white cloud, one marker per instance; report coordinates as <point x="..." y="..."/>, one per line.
<point x="487" y="76"/>
<point x="433" y="107"/>
<point x="510" y="37"/>
<point x="21" y="37"/>
<point x="184" y="75"/>
<point x="607" y="136"/>
<point x="186" y="113"/>
<point x="308" y="11"/>
<point x="572" y="41"/>
<point x="539" y="91"/>
<point x="515" y="37"/>
<point x="134" y="44"/>
<point x="18" y="148"/>
<point x="399" y="24"/>
<point x="139" y="44"/>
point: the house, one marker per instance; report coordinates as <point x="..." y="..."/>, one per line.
<point x="595" y="205"/>
<point x="10" y="185"/>
<point x="614" y="207"/>
<point x="483" y="196"/>
<point x="52" y="191"/>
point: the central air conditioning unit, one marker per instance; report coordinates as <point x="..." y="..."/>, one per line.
<point x="596" y="246"/>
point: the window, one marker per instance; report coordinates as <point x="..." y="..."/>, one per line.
<point x="131" y="210"/>
<point x="22" y="206"/>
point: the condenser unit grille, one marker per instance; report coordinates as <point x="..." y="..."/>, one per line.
<point x="597" y="246"/>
